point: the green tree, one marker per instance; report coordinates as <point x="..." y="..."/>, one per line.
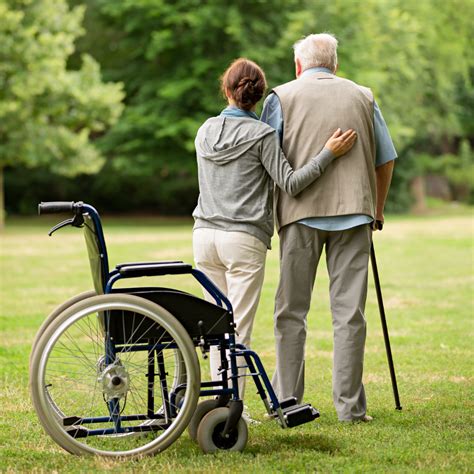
<point x="416" y="57"/>
<point x="170" y="56"/>
<point x="49" y="114"/>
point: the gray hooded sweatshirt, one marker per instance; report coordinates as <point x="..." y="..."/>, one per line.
<point x="239" y="158"/>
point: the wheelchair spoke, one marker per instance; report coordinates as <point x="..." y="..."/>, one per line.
<point x="94" y="392"/>
<point x="67" y="351"/>
<point x="88" y="334"/>
<point x="135" y="393"/>
<point x="130" y="339"/>
<point x="81" y="385"/>
<point x="85" y="358"/>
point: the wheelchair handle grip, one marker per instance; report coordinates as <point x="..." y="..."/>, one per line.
<point x="55" y="207"/>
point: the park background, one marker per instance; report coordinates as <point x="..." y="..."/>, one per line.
<point x="100" y="101"/>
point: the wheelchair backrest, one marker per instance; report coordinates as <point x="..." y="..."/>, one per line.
<point x="97" y="255"/>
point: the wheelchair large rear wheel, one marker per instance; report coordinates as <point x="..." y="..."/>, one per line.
<point x="179" y="375"/>
<point x="102" y="375"/>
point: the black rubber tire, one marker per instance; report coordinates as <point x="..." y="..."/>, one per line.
<point x="211" y="426"/>
<point x="202" y="409"/>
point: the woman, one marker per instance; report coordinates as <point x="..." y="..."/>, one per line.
<point x="239" y="158"/>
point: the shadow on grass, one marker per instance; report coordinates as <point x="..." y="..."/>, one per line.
<point x="292" y="442"/>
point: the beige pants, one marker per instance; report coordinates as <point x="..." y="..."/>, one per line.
<point x="235" y="262"/>
<point x="347" y="258"/>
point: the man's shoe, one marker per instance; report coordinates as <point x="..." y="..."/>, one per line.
<point x="364" y="419"/>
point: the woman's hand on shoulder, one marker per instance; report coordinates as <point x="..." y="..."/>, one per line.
<point x="340" y="143"/>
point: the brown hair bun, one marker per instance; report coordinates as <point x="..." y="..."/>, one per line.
<point x="245" y="82"/>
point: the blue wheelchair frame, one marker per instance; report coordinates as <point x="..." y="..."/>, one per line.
<point x="286" y="411"/>
<point x="252" y="360"/>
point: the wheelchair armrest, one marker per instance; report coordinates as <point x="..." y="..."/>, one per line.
<point x="154" y="269"/>
<point x="163" y="262"/>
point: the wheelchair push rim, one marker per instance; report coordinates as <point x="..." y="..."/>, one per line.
<point x="103" y="388"/>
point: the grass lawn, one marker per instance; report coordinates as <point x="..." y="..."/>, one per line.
<point x="426" y="268"/>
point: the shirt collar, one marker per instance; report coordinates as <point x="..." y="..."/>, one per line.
<point x="313" y="70"/>
<point x="232" y="111"/>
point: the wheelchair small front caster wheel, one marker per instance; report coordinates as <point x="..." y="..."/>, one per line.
<point x="202" y="409"/>
<point x="210" y="437"/>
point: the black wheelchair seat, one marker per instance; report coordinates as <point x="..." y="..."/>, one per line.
<point x="199" y="317"/>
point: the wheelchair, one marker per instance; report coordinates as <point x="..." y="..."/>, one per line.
<point x="114" y="372"/>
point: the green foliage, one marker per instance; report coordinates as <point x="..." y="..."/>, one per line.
<point x="48" y="114"/>
<point x="170" y="57"/>
<point x="416" y="57"/>
<point x="418" y="69"/>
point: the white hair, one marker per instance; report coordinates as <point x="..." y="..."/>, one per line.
<point x="317" y="51"/>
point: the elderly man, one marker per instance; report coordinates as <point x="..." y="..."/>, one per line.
<point x="338" y="213"/>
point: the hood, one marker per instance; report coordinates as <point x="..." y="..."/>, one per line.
<point x="224" y="139"/>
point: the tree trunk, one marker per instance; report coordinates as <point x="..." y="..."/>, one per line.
<point x="2" y="201"/>
<point x="418" y="191"/>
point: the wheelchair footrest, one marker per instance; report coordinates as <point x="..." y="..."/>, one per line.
<point x="288" y="402"/>
<point x="299" y="414"/>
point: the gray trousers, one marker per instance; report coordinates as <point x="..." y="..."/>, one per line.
<point x="347" y="257"/>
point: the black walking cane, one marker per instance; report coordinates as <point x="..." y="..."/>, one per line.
<point x="384" y="322"/>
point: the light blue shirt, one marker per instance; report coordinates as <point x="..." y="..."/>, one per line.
<point x="233" y="111"/>
<point x="384" y="152"/>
